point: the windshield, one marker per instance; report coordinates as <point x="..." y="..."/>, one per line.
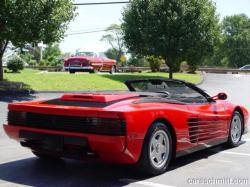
<point x="90" y="54"/>
<point x="173" y="89"/>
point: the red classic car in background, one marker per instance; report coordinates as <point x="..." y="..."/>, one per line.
<point x="89" y="62"/>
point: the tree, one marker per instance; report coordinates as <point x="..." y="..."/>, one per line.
<point x="28" y="58"/>
<point x="137" y="61"/>
<point x="114" y="38"/>
<point x="155" y="63"/>
<point x="52" y="54"/>
<point x="236" y="31"/>
<point x="218" y="58"/>
<point x="112" y="53"/>
<point x="28" y="21"/>
<point x="173" y="29"/>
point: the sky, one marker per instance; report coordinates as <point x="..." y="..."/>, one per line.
<point x="98" y="17"/>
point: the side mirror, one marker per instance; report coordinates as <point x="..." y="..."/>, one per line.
<point x="219" y="96"/>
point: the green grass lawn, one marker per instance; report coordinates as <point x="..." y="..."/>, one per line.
<point x="63" y="81"/>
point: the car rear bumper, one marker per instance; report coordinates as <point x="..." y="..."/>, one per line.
<point x="100" y="147"/>
<point x="79" y="68"/>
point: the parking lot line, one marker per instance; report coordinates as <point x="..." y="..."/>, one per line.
<point x="235" y="153"/>
<point x="144" y="183"/>
<point x="224" y="161"/>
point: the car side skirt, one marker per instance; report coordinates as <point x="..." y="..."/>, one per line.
<point x="200" y="147"/>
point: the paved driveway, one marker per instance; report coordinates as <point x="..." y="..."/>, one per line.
<point x="18" y="167"/>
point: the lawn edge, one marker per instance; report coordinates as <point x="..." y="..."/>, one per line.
<point x="29" y="92"/>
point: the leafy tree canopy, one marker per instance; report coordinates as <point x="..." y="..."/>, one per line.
<point x="236" y="32"/>
<point x="52" y="54"/>
<point x="114" y="37"/>
<point x="29" y="21"/>
<point x="173" y="29"/>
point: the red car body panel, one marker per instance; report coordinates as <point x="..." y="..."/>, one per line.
<point x="87" y="63"/>
<point x="214" y="117"/>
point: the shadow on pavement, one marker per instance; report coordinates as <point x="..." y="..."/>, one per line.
<point x="203" y="154"/>
<point x="35" y="172"/>
<point x="8" y="98"/>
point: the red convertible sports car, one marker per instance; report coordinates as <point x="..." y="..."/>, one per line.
<point x="155" y="121"/>
<point x="89" y="62"/>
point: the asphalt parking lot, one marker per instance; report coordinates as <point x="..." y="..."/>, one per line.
<point x="225" y="167"/>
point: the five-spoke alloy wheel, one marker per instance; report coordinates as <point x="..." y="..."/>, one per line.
<point x="157" y="150"/>
<point x="235" y="131"/>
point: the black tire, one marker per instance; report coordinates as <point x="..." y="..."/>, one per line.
<point x="93" y="71"/>
<point x="112" y="71"/>
<point x="231" y="141"/>
<point x="44" y="156"/>
<point x="145" y="163"/>
<point x="71" y="71"/>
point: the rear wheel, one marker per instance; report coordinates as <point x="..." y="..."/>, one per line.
<point x="235" y="131"/>
<point x="45" y="156"/>
<point x="157" y="150"/>
<point x="93" y="71"/>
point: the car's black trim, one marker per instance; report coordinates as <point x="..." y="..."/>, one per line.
<point x="78" y="103"/>
<point x="200" y="147"/>
<point x="91" y="125"/>
<point x="47" y="138"/>
<point x="59" y="101"/>
<point x="158" y="100"/>
<point x="57" y="145"/>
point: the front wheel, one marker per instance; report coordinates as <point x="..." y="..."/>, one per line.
<point x="93" y="71"/>
<point x="235" y="131"/>
<point x="112" y="71"/>
<point x="157" y="150"/>
<point x="71" y="71"/>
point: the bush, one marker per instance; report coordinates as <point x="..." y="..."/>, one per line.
<point x="32" y="63"/>
<point x="28" y="58"/>
<point x="192" y="68"/>
<point x="184" y="67"/>
<point x="137" y="62"/>
<point x="15" y="64"/>
<point x="43" y="63"/>
<point x="53" y="61"/>
<point x="155" y="63"/>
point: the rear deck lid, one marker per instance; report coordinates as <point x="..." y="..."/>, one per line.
<point x="96" y="100"/>
<point x="96" y="97"/>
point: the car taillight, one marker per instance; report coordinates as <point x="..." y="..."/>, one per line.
<point x="104" y="126"/>
<point x="66" y="63"/>
<point x="17" y="117"/>
<point x="108" y="126"/>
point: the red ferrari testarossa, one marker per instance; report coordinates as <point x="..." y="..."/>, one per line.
<point x="155" y="121"/>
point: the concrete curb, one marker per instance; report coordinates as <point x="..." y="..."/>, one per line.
<point x="14" y="93"/>
<point x="202" y="78"/>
